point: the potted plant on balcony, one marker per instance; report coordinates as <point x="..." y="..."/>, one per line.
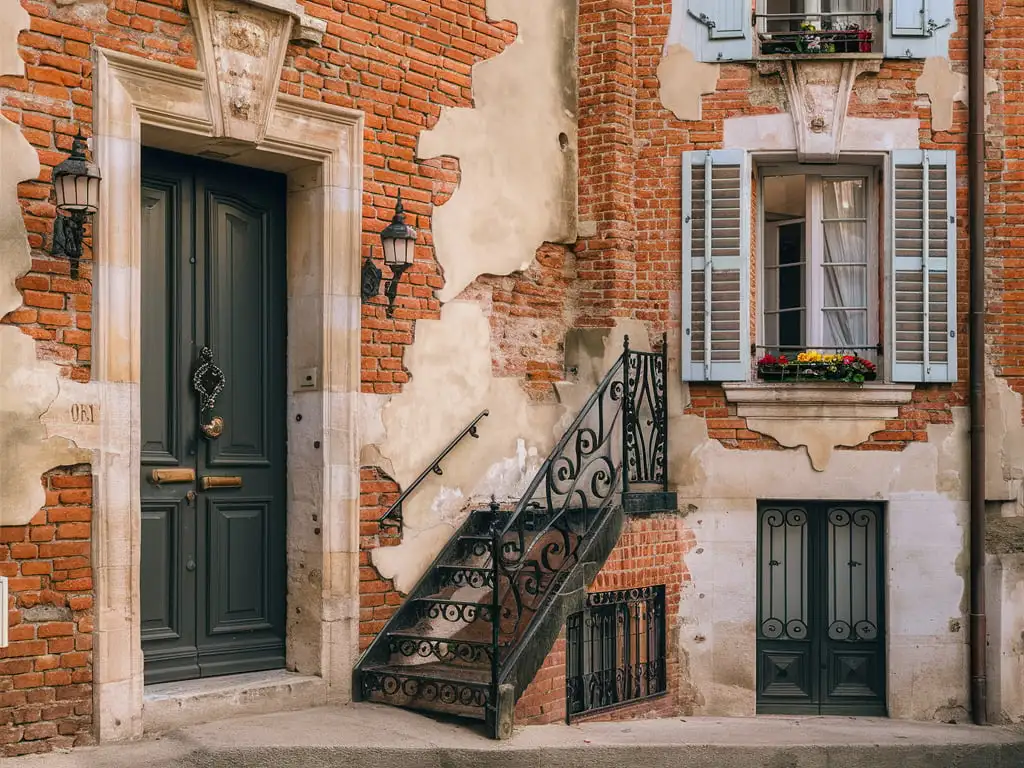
<point x="815" y="366"/>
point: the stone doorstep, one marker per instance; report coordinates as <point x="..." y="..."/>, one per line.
<point x="168" y="706"/>
<point x="377" y="736"/>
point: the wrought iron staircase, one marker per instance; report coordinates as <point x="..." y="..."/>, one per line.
<point x="476" y="628"/>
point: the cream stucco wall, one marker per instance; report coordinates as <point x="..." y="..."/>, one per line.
<point x="29" y="388"/>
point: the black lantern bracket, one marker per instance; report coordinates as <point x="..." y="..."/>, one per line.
<point x="69" y="226"/>
<point x="68" y="234"/>
<point x="398" y="239"/>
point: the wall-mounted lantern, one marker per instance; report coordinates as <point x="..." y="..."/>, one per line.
<point x="76" y="183"/>
<point x="399" y="242"/>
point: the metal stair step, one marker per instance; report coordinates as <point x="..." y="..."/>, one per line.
<point x="463" y="691"/>
<point x="446" y="609"/>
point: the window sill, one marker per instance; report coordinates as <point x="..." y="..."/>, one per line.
<point x="819" y="416"/>
<point x="818" y="400"/>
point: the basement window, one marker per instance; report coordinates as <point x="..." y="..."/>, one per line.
<point x="818" y="27"/>
<point x="615" y="650"/>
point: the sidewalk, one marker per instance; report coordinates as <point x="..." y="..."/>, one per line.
<point x="372" y="736"/>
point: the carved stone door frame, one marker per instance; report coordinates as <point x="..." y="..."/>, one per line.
<point x="319" y="147"/>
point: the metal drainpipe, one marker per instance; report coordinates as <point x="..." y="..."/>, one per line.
<point x="976" y="374"/>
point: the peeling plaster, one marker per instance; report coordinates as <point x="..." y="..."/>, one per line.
<point x="29" y="387"/>
<point x="1004" y="440"/>
<point x="944" y="86"/>
<point x="516" y="149"/>
<point x="683" y="80"/>
<point x="451" y="382"/>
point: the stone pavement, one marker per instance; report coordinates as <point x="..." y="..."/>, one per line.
<point x="373" y="736"/>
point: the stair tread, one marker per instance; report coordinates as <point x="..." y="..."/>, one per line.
<point x="436" y="671"/>
<point x="449" y="601"/>
<point x="405" y="634"/>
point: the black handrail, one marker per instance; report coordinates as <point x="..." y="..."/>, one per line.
<point x="393" y="517"/>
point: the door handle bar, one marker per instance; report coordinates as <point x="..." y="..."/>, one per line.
<point x="176" y="475"/>
<point x="220" y="481"/>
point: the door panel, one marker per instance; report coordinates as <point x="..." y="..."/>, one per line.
<point x="240" y="598"/>
<point x="820" y="641"/>
<point x="214" y="569"/>
<point x="161" y="599"/>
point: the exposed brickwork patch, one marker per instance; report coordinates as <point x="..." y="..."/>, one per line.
<point x="46" y="671"/>
<point x="649" y="552"/>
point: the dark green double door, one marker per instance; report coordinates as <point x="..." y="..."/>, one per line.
<point x="820" y="638"/>
<point x="213" y="418"/>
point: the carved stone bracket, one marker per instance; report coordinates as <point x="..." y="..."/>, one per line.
<point x="818" y="92"/>
<point x="243" y="44"/>
<point x="819" y="416"/>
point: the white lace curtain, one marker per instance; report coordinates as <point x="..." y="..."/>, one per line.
<point x="845" y="264"/>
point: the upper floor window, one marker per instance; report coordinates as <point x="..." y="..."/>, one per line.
<point x="740" y="30"/>
<point x="819" y="266"/>
<point x="818" y="27"/>
<point x="841" y="264"/>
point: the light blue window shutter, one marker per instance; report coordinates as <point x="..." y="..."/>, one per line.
<point x="922" y="265"/>
<point x="917" y="29"/>
<point x="721" y="29"/>
<point x="716" y="265"/>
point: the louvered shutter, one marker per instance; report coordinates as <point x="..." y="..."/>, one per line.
<point x="922" y="265"/>
<point x="918" y="29"/>
<point x="716" y="265"/>
<point x="720" y="29"/>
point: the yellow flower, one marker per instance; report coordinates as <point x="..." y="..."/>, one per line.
<point x="809" y="357"/>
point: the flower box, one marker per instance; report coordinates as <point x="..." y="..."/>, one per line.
<point x="815" y="366"/>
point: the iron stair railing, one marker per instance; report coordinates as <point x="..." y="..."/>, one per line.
<point x="534" y="559"/>
<point x="619" y="436"/>
<point x="393" y="517"/>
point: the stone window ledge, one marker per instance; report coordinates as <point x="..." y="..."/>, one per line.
<point x="812" y="400"/>
<point x="819" y="416"/>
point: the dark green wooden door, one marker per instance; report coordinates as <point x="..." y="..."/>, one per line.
<point x="213" y="418"/>
<point x="820" y="639"/>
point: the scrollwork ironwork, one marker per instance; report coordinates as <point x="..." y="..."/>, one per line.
<point x="453" y="611"/>
<point x="393" y="685"/>
<point x="441" y="648"/>
<point x="646" y="418"/>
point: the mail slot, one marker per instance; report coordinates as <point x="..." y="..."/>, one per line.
<point x="176" y="475"/>
<point x="220" y="481"/>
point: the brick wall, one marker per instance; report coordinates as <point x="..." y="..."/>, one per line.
<point x="46" y="671"/>
<point x="651" y="551"/>
<point x="378" y="598"/>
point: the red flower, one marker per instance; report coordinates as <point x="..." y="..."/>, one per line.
<point x="767" y="360"/>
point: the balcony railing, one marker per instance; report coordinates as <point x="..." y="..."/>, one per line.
<point x="840" y="32"/>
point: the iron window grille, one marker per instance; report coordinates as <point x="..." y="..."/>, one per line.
<point x="615" y="652"/>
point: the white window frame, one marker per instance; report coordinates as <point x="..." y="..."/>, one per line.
<point x="815" y="247"/>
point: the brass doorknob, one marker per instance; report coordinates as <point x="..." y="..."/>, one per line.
<point x="213" y="429"/>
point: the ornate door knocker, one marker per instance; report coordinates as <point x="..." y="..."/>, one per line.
<point x="208" y="381"/>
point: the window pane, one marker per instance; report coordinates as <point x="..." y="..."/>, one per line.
<point x="846" y="329"/>
<point x="845" y="272"/>
<point x="845" y="198"/>
<point x="845" y="287"/>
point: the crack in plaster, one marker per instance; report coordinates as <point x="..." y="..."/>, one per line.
<point x="518" y="184"/>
